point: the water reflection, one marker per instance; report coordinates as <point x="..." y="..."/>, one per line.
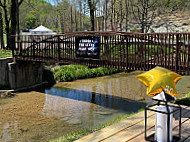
<point x="121" y="85"/>
<point x="108" y="101"/>
<point x="84" y="113"/>
<point x="94" y="102"/>
<point x="88" y="109"/>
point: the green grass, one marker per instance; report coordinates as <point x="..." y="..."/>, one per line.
<point x="7" y="94"/>
<point x="78" y="134"/>
<point x="5" y="53"/>
<point x="185" y="100"/>
<point x="122" y="50"/>
<point x="74" y="72"/>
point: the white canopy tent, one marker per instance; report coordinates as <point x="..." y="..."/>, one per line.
<point x="41" y="30"/>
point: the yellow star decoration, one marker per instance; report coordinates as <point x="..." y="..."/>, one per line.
<point x="159" y="79"/>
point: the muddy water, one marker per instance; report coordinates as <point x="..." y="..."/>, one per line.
<point x="50" y="113"/>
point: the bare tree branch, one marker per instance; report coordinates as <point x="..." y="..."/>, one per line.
<point x="19" y="3"/>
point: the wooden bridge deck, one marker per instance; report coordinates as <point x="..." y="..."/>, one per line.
<point x="131" y="129"/>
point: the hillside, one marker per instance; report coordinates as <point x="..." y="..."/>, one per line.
<point x="175" y="22"/>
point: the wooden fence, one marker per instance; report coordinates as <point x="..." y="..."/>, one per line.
<point x="129" y="51"/>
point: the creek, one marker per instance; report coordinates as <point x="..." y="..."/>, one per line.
<point x="49" y="113"/>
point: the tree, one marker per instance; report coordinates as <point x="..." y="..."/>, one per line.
<point x="126" y="14"/>
<point x="92" y="9"/>
<point x="5" y="6"/>
<point x="144" y="12"/>
<point x="10" y="12"/>
<point x="14" y="17"/>
<point x="80" y="13"/>
<point x="1" y="31"/>
<point x="14" y="22"/>
<point x="105" y="14"/>
<point x="31" y="21"/>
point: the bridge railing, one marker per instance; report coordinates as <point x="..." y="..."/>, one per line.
<point x="130" y="51"/>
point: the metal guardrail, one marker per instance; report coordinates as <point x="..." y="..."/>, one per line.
<point x="129" y="51"/>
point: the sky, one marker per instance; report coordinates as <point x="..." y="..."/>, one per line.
<point x="52" y="2"/>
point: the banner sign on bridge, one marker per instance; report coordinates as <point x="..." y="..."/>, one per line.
<point x="87" y="46"/>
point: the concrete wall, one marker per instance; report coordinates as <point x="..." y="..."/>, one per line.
<point x="4" y="73"/>
<point x="19" y="74"/>
<point x="24" y="74"/>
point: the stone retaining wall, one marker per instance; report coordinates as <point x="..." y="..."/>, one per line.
<point x="4" y="73"/>
<point x="19" y="74"/>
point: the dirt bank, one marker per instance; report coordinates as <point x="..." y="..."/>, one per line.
<point x="21" y="119"/>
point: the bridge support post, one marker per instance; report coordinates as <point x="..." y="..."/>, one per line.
<point x="24" y="74"/>
<point x="177" y="53"/>
<point x="188" y="62"/>
<point x="4" y="77"/>
<point x="20" y="47"/>
<point x="59" y="48"/>
<point x="33" y="49"/>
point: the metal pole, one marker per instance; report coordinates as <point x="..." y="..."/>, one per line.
<point x="145" y="123"/>
<point x="180" y="123"/>
<point x="168" y="123"/>
<point x="177" y="52"/>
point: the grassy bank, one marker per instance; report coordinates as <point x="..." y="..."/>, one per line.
<point x="185" y="100"/>
<point x="6" y="94"/>
<point x="78" y="134"/>
<point x="74" y="72"/>
<point x="5" y="53"/>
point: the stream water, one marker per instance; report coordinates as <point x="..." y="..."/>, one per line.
<point x="50" y="113"/>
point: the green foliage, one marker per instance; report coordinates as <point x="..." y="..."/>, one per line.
<point x="72" y="136"/>
<point x="174" y="3"/>
<point x="31" y="20"/>
<point x="185" y="100"/>
<point x="5" y="53"/>
<point x="7" y="93"/>
<point x="56" y="16"/>
<point x="36" y="12"/>
<point x="73" y="72"/>
<point x="151" y="30"/>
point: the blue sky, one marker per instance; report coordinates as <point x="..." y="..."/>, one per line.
<point x="51" y="1"/>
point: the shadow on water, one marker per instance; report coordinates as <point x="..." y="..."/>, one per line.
<point x="108" y="101"/>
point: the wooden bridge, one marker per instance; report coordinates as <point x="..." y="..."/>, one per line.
<point x="129" y="51"/>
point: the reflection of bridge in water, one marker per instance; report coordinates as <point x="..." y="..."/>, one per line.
<point x="117" y="50"/>
<point x="94" y="102"/>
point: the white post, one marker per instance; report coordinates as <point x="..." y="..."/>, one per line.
<point x="161" y="125"/>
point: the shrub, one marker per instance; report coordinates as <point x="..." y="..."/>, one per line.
<point x="73" y="72"/>
<point x="5" y="53"/>
<point x="185" y="100"/>
<point x="6" y="94"/>
<point x="48" y="76"/>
